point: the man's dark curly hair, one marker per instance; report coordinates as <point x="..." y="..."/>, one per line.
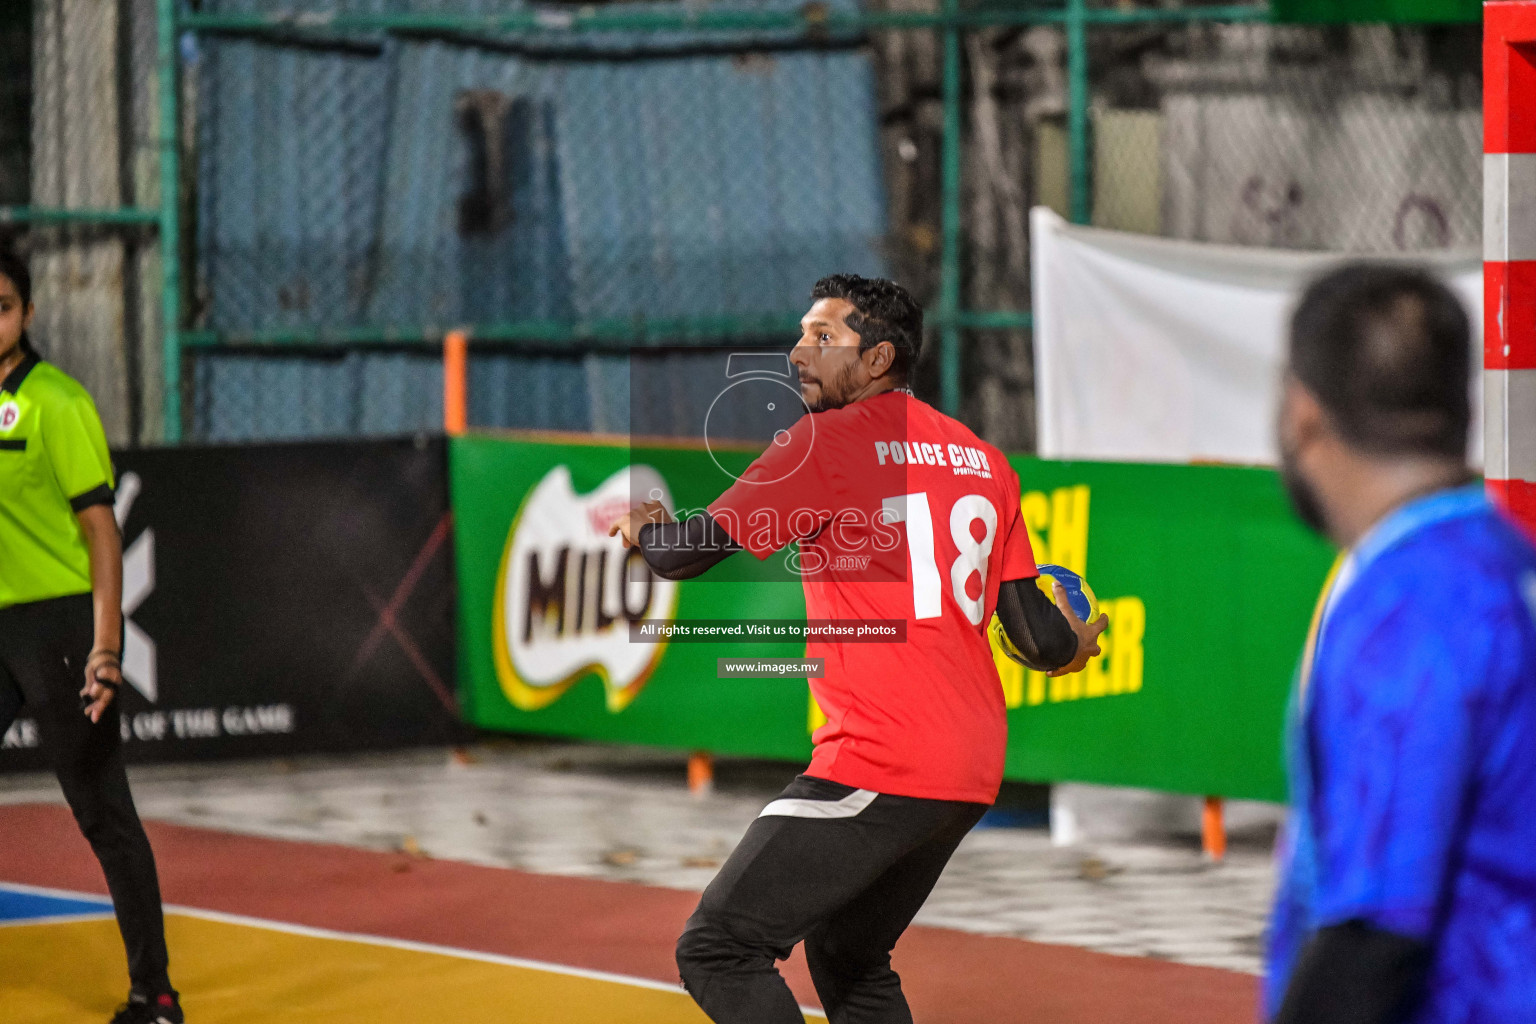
<point x="883" y="311"/>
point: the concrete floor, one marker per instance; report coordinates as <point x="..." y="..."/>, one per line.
<point x="625" y="814"/>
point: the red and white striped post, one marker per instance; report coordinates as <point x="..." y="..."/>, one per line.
<point x="1509" y="254"/>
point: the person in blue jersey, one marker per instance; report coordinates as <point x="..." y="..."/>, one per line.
<point x="1408" y="864"/>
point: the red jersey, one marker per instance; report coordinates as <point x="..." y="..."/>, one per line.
<point x="901" y="513"/>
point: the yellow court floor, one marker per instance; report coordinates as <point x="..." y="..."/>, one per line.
<point x="234" y="971"/>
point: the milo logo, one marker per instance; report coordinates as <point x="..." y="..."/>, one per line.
<point x="567" y="593"/>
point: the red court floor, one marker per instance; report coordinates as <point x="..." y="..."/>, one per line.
<point x="951" y="977"/>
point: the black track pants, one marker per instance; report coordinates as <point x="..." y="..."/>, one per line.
<point x="43" y="649"/>
<point x="845" y="870"/>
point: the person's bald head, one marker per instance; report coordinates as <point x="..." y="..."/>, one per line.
<point x="1376" y="403"/>
<point x="1386" y="351"/>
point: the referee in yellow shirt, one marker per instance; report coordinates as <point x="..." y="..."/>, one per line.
<point x="61" y="626"/>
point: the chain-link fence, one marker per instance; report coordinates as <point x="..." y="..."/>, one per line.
<point x="582" y="186"/>
<point x="682" y="185"/>
<point x="1360" y="139"/>
<point x="86" y="114"/>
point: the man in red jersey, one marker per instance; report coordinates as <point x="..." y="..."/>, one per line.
<point x="901" y="513"/>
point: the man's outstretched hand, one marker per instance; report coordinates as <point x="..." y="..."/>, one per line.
<point x="628" y="525"/>
<point x="1087" y="633"/>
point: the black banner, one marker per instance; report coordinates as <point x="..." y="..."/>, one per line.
<point x="282" y="599"/>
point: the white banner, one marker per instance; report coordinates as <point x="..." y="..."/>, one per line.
<point x="1154" y="350"/>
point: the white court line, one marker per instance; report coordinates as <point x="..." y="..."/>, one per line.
<point x="63" y="894"/>
<point x="365" y="939"/>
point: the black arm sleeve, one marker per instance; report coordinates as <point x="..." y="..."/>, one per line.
<point x="1354" y="973"/>
<point x="681" y="551"/>
<point x="1037" y="629"/>
<point x="101" y="495"/>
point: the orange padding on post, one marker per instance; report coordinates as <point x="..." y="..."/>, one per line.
<point x="456" y="382"/>
<point x="1213" y="829"/>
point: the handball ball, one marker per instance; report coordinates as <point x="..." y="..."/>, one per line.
<point x="1079" y="596"/>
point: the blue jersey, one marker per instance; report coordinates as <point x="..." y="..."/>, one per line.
<point x="1413" y="760"/>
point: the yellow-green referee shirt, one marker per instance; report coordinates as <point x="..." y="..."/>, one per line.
<point x="53" y="464"/>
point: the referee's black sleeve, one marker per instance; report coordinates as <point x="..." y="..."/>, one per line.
<point x="681" y="551"/>
<point x="1036" y="627"/>
<point x="96" y="496"/>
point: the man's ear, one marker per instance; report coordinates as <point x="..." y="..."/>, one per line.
<point x="1302" y="417"/>
<point x="883" y="357"/>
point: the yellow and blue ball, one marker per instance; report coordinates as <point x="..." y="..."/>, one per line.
<point x="1079" y="595"/>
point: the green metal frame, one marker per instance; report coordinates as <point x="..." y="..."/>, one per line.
<point x="168" y="83"/>
<point x="48" y="216"/>
<point x="811" y="20"/>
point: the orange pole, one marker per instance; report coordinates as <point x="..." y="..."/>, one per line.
<point x="1213" y="829"/>
<point x="456" y="383"/>
<point x="701" y="773"/>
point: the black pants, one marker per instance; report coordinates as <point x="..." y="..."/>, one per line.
<point x="843" y="869"/>
<point x="43" y="650"/>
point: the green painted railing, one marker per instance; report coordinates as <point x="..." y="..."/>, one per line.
<point x="46" y="217"/>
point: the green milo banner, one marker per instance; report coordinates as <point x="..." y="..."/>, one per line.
<point x="1208" y="582"/>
